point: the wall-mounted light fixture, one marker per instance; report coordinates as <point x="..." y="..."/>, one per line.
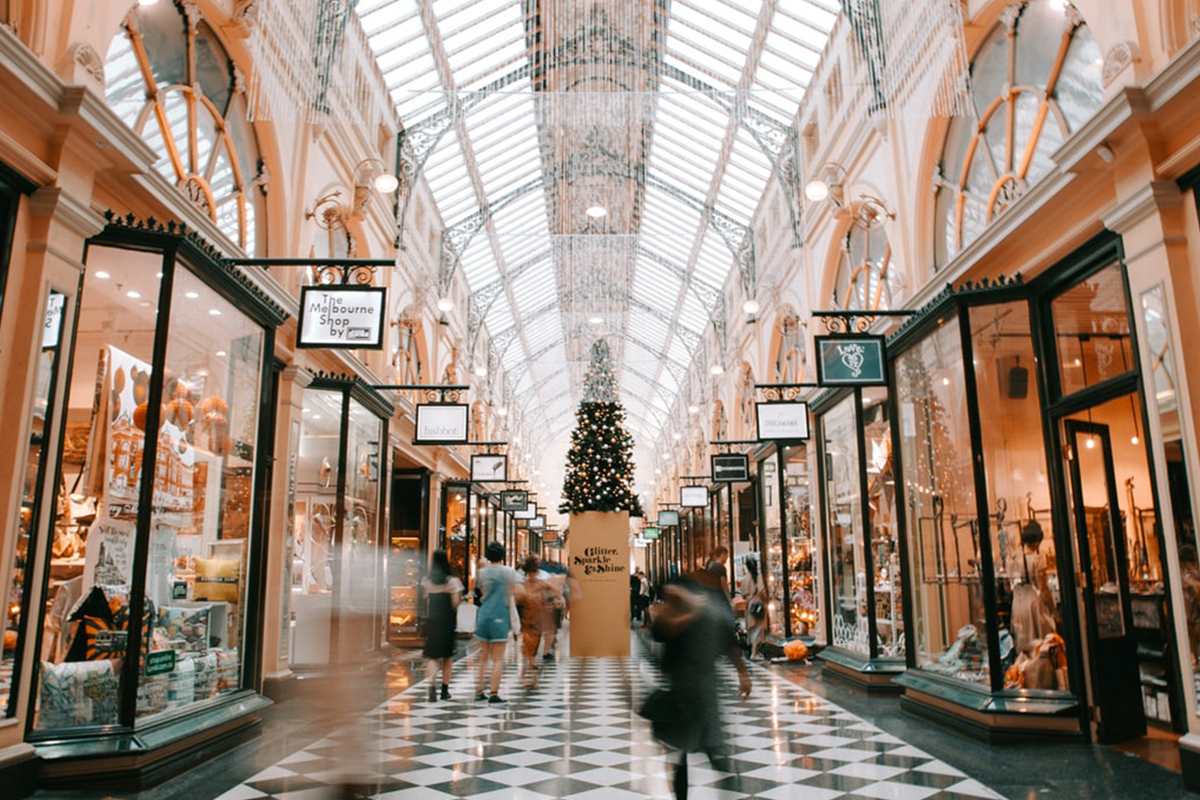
<point x="826" y="183"/>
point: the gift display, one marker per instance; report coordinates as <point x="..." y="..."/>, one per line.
<point x="185" y="629"/>
<point x="77" y="693"/>
<point x="217" y="579"/>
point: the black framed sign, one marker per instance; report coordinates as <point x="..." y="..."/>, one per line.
<point x="538" y="523"/>
<point x="781" y="421"/>
<point x="489" y="468"/>
<point x="693" y="496"/>
<point x="730" y="468"/>
<point x="851" y="360"/>
<point x="341" y="317"/>
<point x="514" y="500"/>
<point x="529" y="513"/>
<point x="667" y="518"/>
<point x="441" y="423"/>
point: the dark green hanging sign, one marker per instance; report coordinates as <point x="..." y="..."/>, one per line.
<point x="851" y="360"/>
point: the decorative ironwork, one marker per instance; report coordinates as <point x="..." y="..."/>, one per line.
<point x="781" y="391"/>
<point x="432" y="393"/>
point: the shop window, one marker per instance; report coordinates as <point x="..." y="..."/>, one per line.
<point x="195" y="385"/>
<point x="939" y="485"/>
<point x="170" y="79"/>
<point x="867" y="278"/>
<point x="1035" y="81"/>
<point x="843" y="509"/>
<point x="1092" y="331"/>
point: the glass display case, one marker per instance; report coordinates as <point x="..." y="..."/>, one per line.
<point x="151" y="559"/>
<point x="865" y="601"/>
<point x="803" y="574"/>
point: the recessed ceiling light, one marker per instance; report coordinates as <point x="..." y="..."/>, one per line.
<point x="102" y="275"/>
<point x="132" y="295"/>
<point x="144" y="304"/>
<point x="693" y="408"/>
<point x="481" y="370"/>
<point x="158" y="275"/>
<point x="316" y="416"/>
<point x="220" y="354"/>
<point x="214" y="312"/>
<point x="717" y="369"/>
<point x="190" y="295"/>
<point x="751" y="306"/>
<point x="597" y="211"/>
<point x="445" y="304"/>
<point x="502" y="411"/>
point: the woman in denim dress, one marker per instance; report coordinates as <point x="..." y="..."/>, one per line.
<point x="493" y="622"/>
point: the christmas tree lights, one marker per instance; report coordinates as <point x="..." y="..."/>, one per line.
<point x="600" y="462"/>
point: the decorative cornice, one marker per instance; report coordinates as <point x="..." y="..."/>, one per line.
<point x="966" y="289"/>
<point x="366" y="393"/>
<point x="182" y="231"/>
<point x="59" y="204"/>
<point x="1154" y="196"/>
<point x="294" y="373"/>
<point x="1129" y="102"/>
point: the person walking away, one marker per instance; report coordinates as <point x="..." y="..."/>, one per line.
<point x="697" y="626"/>
<point x="535" y="598"/>
<point x="635" y="588"/>
<point x="644" y="597"/>
<point x="558" y="585"/>
<point x="754" y="590"/>
<point x="443" y="592"/>
<point x="495" y="621"/>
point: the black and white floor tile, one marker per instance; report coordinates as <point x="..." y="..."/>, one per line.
<point x="579" y="737"/>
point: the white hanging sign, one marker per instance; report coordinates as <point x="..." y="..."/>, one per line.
<point x="782" y="421"/>
<point x="441" y="423"/>
<point x="341" y="317"/>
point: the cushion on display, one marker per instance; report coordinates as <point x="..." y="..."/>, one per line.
<point x="152" y="694"/>
<point x="76" y="693"/>
<point x="206" y="676"/>
<point x="217" y="579"/>
<point x="181" y="687"/>
<point x="185" y="629"/>
<point x="227" y="669"/>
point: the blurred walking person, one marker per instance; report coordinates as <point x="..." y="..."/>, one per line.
<point x="754" y="591"/>
<point x="443" y="592"/>
<point x="535" y="601"/>
<point x="495" y="620"/>
<point x="697" y="626"/>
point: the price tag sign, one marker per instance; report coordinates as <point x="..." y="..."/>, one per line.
<point x="160" y="662"/>
<point x="342" y="317"/>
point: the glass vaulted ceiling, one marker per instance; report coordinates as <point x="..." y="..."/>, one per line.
<point x="541" y="109"/>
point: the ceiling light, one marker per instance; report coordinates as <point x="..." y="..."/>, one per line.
<point x="597" y="211"/>
<point x="516" y="440"/>
<point x="132" y="295"/>
<point x="481" y="370"/>
<point x="502" y="411"/>
<point x="144" y="304"/>
<point x="751" y="307"/>
<point x="147" y="2"/>
<point x="316" y="416"/>
<point x="445" y="304"/>
<point x="596" y="320"/>
<point x="693" y="408"/>
<point x="221" y="354"/>
<point x="102" y="275"/>
<point x="678" y="436"/>
<point x="214" y="312"/>
<point x="717" y="369"/>
<point x="386" y="183"/>
<point x="816" y="190"/>
<point x="945" y="381"/>
<point x="1090" y="443"/>
<point x="158" y="275"/>
<point x="191" y="295"/>
<point x="1133" y="440"/>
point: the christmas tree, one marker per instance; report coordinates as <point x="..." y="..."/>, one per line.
<point x="600" y="461"/>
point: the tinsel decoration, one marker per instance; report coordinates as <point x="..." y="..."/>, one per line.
<point x="600" y="462"/>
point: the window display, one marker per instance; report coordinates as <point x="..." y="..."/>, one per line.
<point x="772" y="542"/>
<point x="939" y="486"/>
<point x="803" y="585"/>
<point x="184" y="522"/>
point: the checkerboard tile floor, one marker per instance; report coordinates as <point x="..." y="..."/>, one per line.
<point x="579" y="737"/>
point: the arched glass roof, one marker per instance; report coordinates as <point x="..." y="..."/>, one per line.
<point x="524" y="115"/>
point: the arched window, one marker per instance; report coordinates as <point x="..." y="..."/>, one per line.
<point x="170" y="79"/>
<point x="1035" y="81"/>
<point x="789" y="352"/>
<point x="867" y="279"/>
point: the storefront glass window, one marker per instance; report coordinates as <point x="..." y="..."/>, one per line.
<point x="1165" y="404"/>
<point x="772" y="559"/>
<point x="454" y="529"/>
<point x="312" y="578"/>
<point x="361" y="557"/>
<point x="881" y="507"/>
<point x="91" y="565"/>
<point x="32" y="505"/>
<point x="1091" y="327"/>
<point x="802" y="546"/>
<point x="939" y="484"/>
<point x="1020" y="524"/>
<point x="843" y="509"/>
<point x="203" y="500"/>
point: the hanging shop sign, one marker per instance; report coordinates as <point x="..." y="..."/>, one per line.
<point x="538" y="523"/>
<point x="851" y="360"/>
<point x="441" y="423"/>
<point x="650" y="533"/>
<point x="514" y="500"/>
<point x="529" y="513"/>
<point x="668" y="518"/>
<point x="489" y="468"/>
<point x="341" y="317"/>
<point x="693" y="496"/>
<point x="730" y="468"/>
<point x="785" y="421"/>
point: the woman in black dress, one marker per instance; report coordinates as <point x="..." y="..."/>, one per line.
<point x="444" y="591"/>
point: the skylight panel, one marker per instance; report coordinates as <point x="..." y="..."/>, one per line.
<point x="714" y="260"/>
<point x="810" y="30"/>
<point x="535" y="288"/>
<point x="479" y="265"/>
<point x="397" y="39"/>
<point x="718" y="19"/>
<point x="683" y="36"/>
<point x="656" y="287"/>
<point x="541" y="332"/>
<point x="455" y="14"/>
<point x="376" y="16"/>
<point x="525" y="381"/>
<point x="749" y="157"/>
<point x="499" y="317"/>
<point x="653" y="328"/>
<point x="679" y="352"/>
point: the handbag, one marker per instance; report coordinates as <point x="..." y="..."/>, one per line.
<point x="757" y="609"/>
<point x="671" y="719"/>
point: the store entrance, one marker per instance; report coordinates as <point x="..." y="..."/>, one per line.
<point x="1120" y="572"/>
<point x="1103" y="587"/>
